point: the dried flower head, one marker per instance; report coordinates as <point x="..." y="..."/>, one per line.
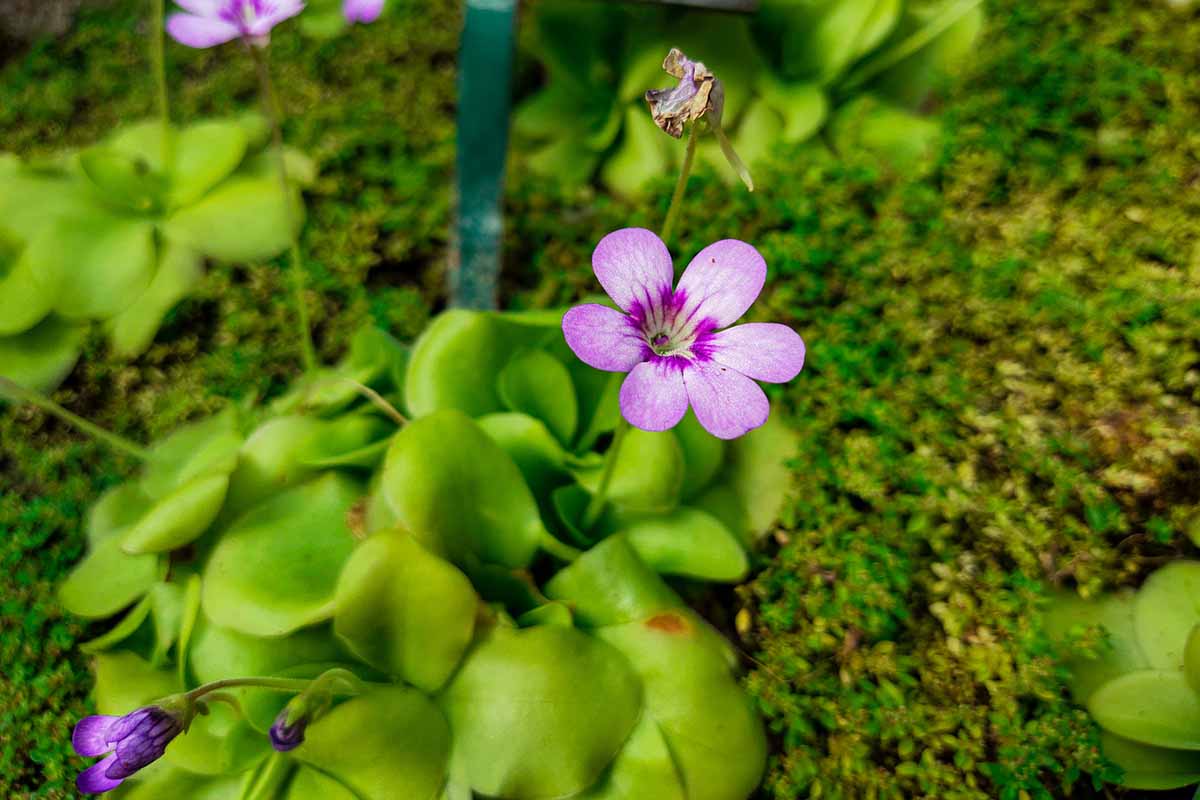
<point x="695" y="96"/>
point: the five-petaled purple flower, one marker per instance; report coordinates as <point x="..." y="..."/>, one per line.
<point x="676" y="343"/>
<point x="131" y="742"/>
<point x="362" y="10"/>
<point x="212" y="22"/>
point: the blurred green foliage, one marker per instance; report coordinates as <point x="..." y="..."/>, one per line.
<point x="1001" y="391"/>
<point x="859" y="69"/>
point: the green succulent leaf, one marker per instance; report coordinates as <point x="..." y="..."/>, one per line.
<point x="1149" y="767"/>
<point x="535" y="383"/>
<point x="41" y="357"/>
<point x="405" y="611"/>
<point x="121" y="631"/>
<point x="243" y="219"/>
<point x="643" y="768"/>
<point x="712" y="731"/>
<point x="25" y="298"/>
<point x="220" y="742"/>
<point x="750" y="490"/>
<point x="542" y="460"/>
<point x="689" y="542"/>
<point x="1165" y="611"/>
<point x="459" y="493"/>
<point x="179" y="518"/>
<point x="456" y="362"/>
<point x="122" y="180"/>
<point x="108" y="579"/>
<point x="286" y="451"/>
<point x="540" y="712"/>
<point x="907" y="141"/>
<point x="275" y="569"/>
<point x="180" y="270"/>
<point x="308" y="783"/>
<point x="644" y="153"/>
<point x="611" y="585"/>
<point x="803" y="106"/>
<point x="1119" y="653"/>
<point x="126" y="681"/>
<point x="703" y="454"/>
<point x="401" y="745"/>
<point x="161" y="779"/>
<point x="198" y="450"/>
<point x="115" y="511"/>
<point x="95" y="264"/>
<point x="1154" y="707"/>
<point x="648" y="475"/>
<point x="205" y="153"/>
<point x="168" y="603"/>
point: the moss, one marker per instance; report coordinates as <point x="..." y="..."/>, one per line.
<point x="1001" y="393"/>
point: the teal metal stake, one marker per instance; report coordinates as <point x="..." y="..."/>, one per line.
<point x="484" y="89"/>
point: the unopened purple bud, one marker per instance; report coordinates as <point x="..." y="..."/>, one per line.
<point x="285" y="737"/>
<point x="131" y="742"/>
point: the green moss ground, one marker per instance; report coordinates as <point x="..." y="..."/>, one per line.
<point x="1002" y="393"/>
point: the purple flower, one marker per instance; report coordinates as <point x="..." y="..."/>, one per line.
<point x="131" y="742"/>
<point x="287" y="736"/>
<point x="676" y="343"/>
<point x="362" y="10"/>
<point x="214" y="22"/>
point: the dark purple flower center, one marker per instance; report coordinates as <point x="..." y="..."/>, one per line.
<point x="670" y="330"/>
<point x="243" y="13"/>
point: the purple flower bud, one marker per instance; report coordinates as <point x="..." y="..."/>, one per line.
<point x="130" y="742"/>
<point x="285" y="737"/>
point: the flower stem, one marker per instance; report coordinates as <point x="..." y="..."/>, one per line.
<point x="271" y="108"/>
<point x="276" y="684"/>
<point x="558" y="549"/>
<point x="684" y="171"/>
<point x="20" y="394"/>
<point x="158" y="56"/>
<point x="595" y="506"/>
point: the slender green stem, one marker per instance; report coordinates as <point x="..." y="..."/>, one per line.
<point x="20" y="394"/>
<point x="158" y="56"/>
<point x="271" y="108"/>
<point x="595" y="506"/>
<point x="732" y="157"/>
<point x="559" y="549"/>
<point x="378" y="400"/>
<point x="275" y="684"/>
<point x="684" y="171"/>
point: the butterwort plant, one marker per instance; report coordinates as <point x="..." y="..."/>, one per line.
<point x="677" y="343"/>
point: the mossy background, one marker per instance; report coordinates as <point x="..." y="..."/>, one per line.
<point x="1002" y="394"/>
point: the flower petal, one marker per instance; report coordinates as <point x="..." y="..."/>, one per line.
<point x="362" y="10"/>
<point x="202" y="8"/>
<point x="603" y="338"/>
<point x="283" y="9"/>
<point x="652" y="395"/>
<point x="94" y="779"/>
<point x="721" y="282"/>
<point x="764" y="351"/>
<point x="726" y="402"/>
<point x="634" y="267"/>
<point x="90" y="737"/>
<point x="196" y="31"/>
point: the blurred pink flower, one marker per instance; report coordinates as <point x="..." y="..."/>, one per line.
<point x="208" y="23"/>
<point x="362" y="10"/>
<point x="671" y="341"/>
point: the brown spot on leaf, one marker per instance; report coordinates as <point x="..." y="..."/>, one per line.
<point x="668" y="623"/>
